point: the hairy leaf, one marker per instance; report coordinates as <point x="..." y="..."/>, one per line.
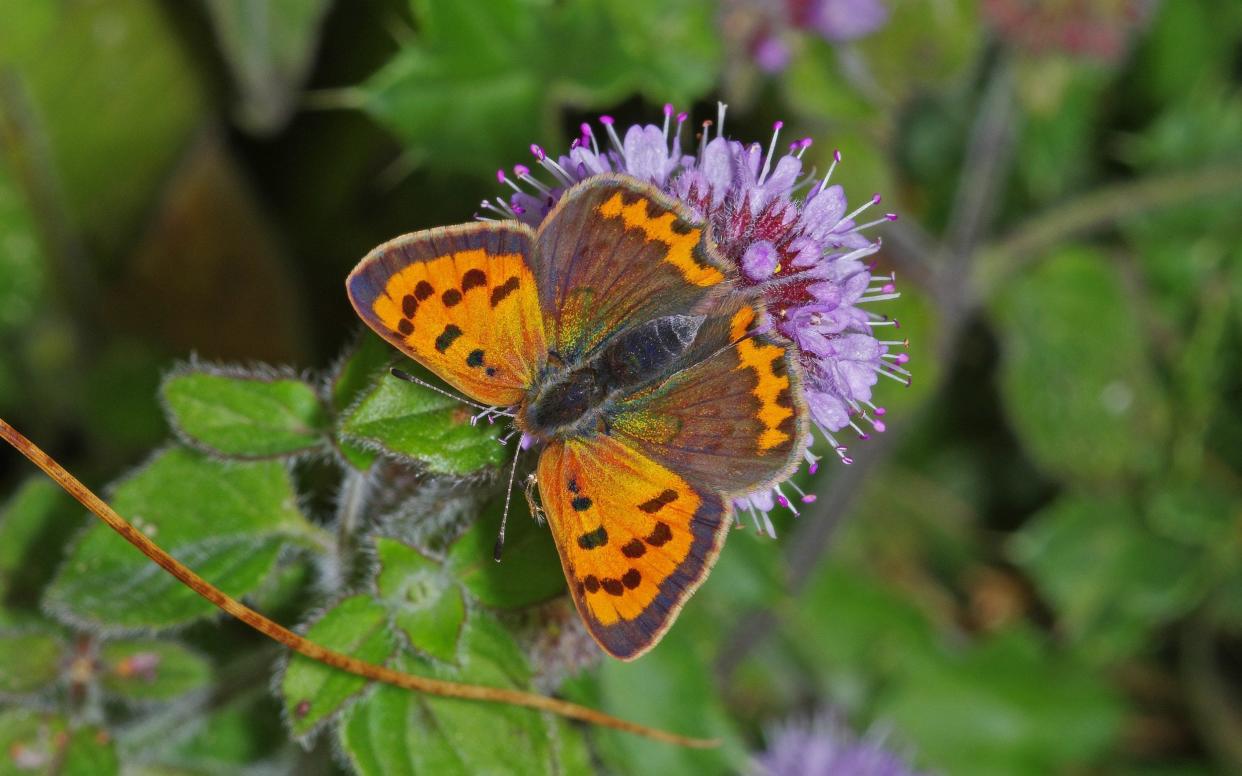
<point x="227" y="521"/>
<point x="425" y="603"/>
<point x="411" y="421"/>
<point x="393" y="731"/>
<point x="244" y="417"/>
<point x="312" y="692"/>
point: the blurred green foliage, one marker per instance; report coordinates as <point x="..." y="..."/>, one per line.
<point x="1037" y="570"/>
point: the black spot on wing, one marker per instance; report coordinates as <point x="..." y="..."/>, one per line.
<point x="651" y="506"/>
<point x="473" y="279"/>
<point x="475" y="358"/>
<point x="592" y="539"/>
<point x="423" y="290"/>
<point x="447" y="337"/>
<point x="405" y="327"/>
<point x="451" y="298"/>
<point x="631" y="578"/>
<point x="660" y="535"/>
<point x="409" y="305"/>
<point x="503" y="290"/>
<point x="581" y="503"/>
<point x="633" y="549"/>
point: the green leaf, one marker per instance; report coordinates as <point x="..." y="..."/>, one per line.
<point x="424" y="602"/>
<point x="244" y="416"/>
<point x="29" y="661"/>
<point x="465" y="93"/>
<point x="872" y="629"/>
<point x="226" y="521"/>
<point x="148" y="670"/>
<point x="480" y="82"/>
<point x="359" y="371"/>
<point x="394" y="731"/>
<point x="269" y="45"/>
<point x="1005" y="706"/>
<point x="312" y="691"/>
<point x="1075" y="376"/>
<point x="28" y="525"/>
<point x="1199" y="514"/>
<point x="364" y="364"/>
<point x="223" y="739"/>
<point x="530" y="569"/>
<point x="408" y="420"/>
<point x="1110" y="581"/>
<point x="45" y="743"/>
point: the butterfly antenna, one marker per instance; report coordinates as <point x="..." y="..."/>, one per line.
<point x="409" y="378"/>
<point x="504" y="518"/>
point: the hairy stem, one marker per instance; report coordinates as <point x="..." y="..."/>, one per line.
<point x="304" y="646"/>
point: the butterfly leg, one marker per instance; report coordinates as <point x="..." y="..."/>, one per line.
<point x="536" y="511"/>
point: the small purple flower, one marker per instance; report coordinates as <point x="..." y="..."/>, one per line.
<point x="766" y="29"/>
<point x="839" y="20"/>
<point x="824" y="746"/>
<point x="793" y="239"/>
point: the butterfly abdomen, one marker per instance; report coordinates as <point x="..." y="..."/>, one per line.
<point x="647" y="351"/>
<point x="573" y="399"/>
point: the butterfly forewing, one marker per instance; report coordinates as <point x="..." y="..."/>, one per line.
<point x="635" y="538"/>
<point x="616" y="253"/>
<point x="461" y="301"/>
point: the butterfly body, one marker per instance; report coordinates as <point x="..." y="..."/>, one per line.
<point x="578" y="399"/>
<point x="617" y="334"/>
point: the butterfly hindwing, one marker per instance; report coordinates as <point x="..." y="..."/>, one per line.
<point x="734" y="421"/>
<point x="461" y="301"/>
<point x="616" y="253"/>
<point x="635" y="538"/>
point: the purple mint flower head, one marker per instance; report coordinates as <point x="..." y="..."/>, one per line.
<point x="791" y="235"/>
<point x="824" y="746"/>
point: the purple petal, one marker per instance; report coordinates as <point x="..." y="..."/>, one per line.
<point x="646" y="153"/>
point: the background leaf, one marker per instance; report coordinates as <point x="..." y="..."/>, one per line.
<point x="1105" y="417"/>
<point x="29" y="661"/>
<point x="146" y="670"/>
<point x="270" y="45"/>
<point x="1110" y="580"/>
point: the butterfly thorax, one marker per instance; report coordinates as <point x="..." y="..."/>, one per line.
<point x="575" y="398"/>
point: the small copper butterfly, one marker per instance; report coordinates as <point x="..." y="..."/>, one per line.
<point x="620" y="338"/>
